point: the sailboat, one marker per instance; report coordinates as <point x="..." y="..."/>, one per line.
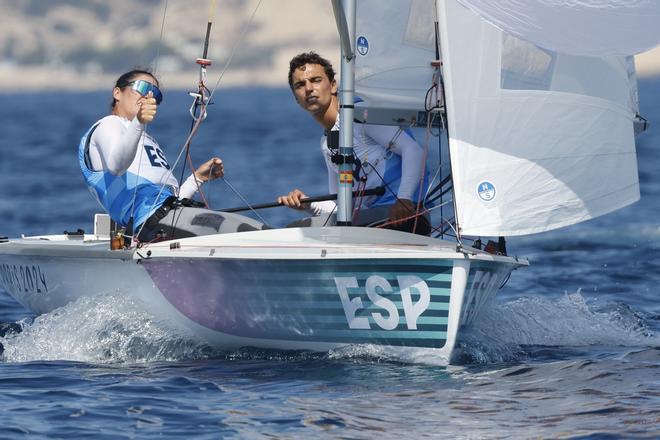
<point x="540" y="129"/>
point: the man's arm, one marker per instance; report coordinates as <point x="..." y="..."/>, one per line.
<point x="412" y="156"/>
<point x="292" y="200"/>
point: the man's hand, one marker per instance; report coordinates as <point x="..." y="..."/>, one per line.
<point x="210" y="170"/>
<point x="147" y="108"/>
<point x="292" y="200"/>
<point x="402" y="211"/>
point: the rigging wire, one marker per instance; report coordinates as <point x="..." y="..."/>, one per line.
<point x="204" y="103"/>
<point x="206" y="99"/>
<point x="160" y="39"/>
<point x="154" y="70"/>
<point x="244" y="201"/>
<point x="233" y="51"/>
<point x="198" y="107"/>
<point x="416" y="213"/>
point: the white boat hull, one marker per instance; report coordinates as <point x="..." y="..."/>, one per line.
<point x="299" y="288"/>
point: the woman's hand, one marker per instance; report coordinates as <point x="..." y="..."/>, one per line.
<point x="210" y="170"/>
<point x="147" y="108"/>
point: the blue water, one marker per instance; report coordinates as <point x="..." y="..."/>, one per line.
<point x="571" y="348"/>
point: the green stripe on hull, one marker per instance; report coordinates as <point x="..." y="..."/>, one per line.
<point x="389" y="335"/>
<point x="309" y="307"/>
<point x="431" y="320"/>
<point x="340" y="301"/>
<point x="289" y="294"/>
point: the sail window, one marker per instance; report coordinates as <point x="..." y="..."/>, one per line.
<point x="525" y="66"/>
<point x="420" y="29"/>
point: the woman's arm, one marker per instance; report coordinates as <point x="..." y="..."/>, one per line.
<point x="114" y="145"/>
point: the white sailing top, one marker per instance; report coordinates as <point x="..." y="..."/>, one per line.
<point x="119" y="145"/>
<point x="389" y="157"/>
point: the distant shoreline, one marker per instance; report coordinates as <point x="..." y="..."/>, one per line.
<point x="18" y="79"/>
<point x="40" y="78"/>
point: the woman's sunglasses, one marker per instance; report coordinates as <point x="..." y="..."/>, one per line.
<point x="144" y="87"/>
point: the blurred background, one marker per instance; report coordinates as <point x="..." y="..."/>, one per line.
<point x="84" y="44"/>
<point x="583" y="321"/>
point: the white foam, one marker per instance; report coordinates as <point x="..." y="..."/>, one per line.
<point x="113" y="328"/>
<point x="504" y="329"/>
<point x="116" y="328"/>
<point x="568" y="321"/>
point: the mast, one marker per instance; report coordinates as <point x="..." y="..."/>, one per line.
<point x="440" y="14"/>
<point x="345" y="16"/>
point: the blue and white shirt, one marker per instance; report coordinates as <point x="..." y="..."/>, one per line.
<point x="127" y="171"/>
<point x="384" y="151"/>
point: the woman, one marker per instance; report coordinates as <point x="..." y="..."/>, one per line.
<point x="130" y="176"/>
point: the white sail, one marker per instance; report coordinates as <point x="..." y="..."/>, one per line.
<point x="538" y="139"/>
<point x="395" y="47"/>
<point x="579" y="27"/>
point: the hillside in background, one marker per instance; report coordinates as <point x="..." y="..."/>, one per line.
<point x="84" y="44"/>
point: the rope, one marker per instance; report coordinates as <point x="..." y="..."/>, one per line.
<point x="356" y="211"/>
<point x="202" y="110"/>
<point x="162" y="187"/>
<point x="244" y="201"/>
<point x="205" y="100"/>
<point x="155" y="69"/>
<point x="415" y="215"/>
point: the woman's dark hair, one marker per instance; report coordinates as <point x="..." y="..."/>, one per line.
<point x="128" y="77"/>
<point x="310" y="58"/>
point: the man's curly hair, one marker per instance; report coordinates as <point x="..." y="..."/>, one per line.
<point x="310" y="58"/>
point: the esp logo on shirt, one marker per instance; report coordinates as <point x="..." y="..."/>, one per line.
<point x="156" y="156"/>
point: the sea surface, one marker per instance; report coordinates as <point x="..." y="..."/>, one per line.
<point x="569" y="349"/>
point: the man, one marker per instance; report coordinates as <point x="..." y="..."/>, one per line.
<point x="387" y="155"/>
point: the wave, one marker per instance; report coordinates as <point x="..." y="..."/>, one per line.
<point x="113" y="328"/>
<point x="505" y="330"/>
<point x="530" y="327"/>
<point x="116" y="328"/>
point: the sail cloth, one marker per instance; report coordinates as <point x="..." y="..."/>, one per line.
<point x="539" y="139"/>
<point x="578" y="27"/>
<point x="395" y="44"/>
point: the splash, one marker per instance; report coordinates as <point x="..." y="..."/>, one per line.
<point x="116" y="328"/>
<point x="504" y="332"/>
<point x="380" y="353"/>
<point x="570" y="321"/>
<point x="113" y="328"/>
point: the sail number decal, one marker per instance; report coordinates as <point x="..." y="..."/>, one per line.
<point x="376" y="287"/>
<point x="482" y="288"/>
<point x="23" y="278"/>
